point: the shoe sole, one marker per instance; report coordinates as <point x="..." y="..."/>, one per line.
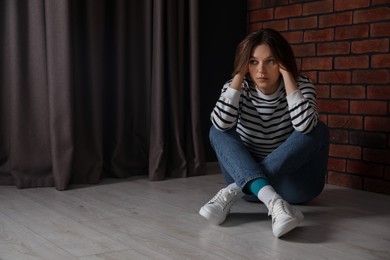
<point x="286" y="227"/>
<point x="210" y="217"/>
<point x="293" y="223"/>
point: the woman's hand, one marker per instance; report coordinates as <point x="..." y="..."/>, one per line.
<point x="289" y="81"/>
<point x="239" y="78"/>
<point x="283" y="71"/>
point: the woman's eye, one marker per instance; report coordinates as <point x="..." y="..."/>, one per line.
<point x="253" y="62"/>
<point x="271" y="61"/>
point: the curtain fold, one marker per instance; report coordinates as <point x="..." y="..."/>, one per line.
<point x="94" y="89"/>
<point x="175" y="134"/>
<point x="60" y="92"/>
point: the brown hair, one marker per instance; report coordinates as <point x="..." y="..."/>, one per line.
<point x="279" y="46"/>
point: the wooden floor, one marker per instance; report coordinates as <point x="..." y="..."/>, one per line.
<point x="138" y="219"/>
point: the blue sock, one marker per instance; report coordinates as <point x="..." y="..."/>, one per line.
<point x="255" y="185"/>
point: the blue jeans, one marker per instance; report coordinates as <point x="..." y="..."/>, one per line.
<point x="296" y="169"/>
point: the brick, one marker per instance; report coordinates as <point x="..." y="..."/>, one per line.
<point x="261" y="15"/>
<point x="375" y="185"/>
<point x="312" y="75"/>
<point x="339" y="136"/>
<point x="336" y="164"/>
<point x="380" y="2"/>
<point x="299" y="63"/>
<point x="365" y="168"/>
<point x="279" y="25"/>
<point x="252" y="27"/>
<point x="371" y="76"/>
<point x="378" y="92"/>
<point x="332" y="106"/>
<point x="318" y="35"/>
<point x="345" y="151"/>
<point x="268" y="3"/>
<point x="341" y="5"/>
<point x="380" y="29"/>
<point x="380" y="61"/>
<point x="387" y="173"/>
<point x="371" y="15"/>
<point x="367" y="46"/>
<point x="303" y="23"/>
<point x="331" y="20"/>
<point x="368" y="139"/>
<point x="344" y="121"/>
<point x="351" y="62"/>
<point x="375" y="123"/>
<point x="334" y="77"/>
<point x="317" y="63"/>
<point x="348" y="91"/>
<point x="368" y="107"/>
<point x="320" y="7"/>
<point x="303" y="50"/>
<point x="388" y="142"/>
<point x="254" y="4"/>
<point x="332" y="48"/>
<point x="352" y="32"/>
<point x="376" y="155"/>
<point x="324" y="118"/>
<point x="322" y="91"/>
<point x="293" y="37"/>
<point x="345" y="180"/>
<point x="288" y="11"/>
<point x="389" y="112"/>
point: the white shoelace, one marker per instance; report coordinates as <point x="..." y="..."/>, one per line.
<point x="224" y="196"/>
<point x="277" y="208"/>
<point x="229" y="194"/>
<point x="227" y="197"/>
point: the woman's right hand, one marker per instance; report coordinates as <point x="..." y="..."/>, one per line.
<point x="239" y="78"/>
<point x="237" y="81"/>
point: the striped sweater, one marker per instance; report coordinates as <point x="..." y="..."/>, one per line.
<point x="264" y="122"/>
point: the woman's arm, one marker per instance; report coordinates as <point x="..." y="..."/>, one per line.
<point x="225" y="112"/>
<point x="289" y="81"/>
<point x="302" y="102"/>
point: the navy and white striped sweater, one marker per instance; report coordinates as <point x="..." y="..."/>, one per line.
<point x="264" y="122"/>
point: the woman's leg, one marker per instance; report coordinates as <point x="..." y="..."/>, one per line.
<point x="234" y="158"/>
<point x="297" y="168"/>
<point x="238" y="164"/>
<point x="226" y="176"/>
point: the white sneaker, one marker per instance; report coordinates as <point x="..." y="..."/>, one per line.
<point x="217" y="209"/>
<point x="284" y="217"/>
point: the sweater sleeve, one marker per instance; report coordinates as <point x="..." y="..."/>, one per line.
<point x="302" y="105"/>
<point x="225" y="112"/>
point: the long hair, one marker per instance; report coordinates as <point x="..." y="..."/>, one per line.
<point x="279" y="46"/>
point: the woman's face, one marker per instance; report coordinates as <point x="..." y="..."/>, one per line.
<point x="264" y="69"/>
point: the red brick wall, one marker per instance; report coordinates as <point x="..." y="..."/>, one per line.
<point x="343" y="46"/>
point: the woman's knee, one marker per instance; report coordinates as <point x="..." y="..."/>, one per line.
<point x="216" y="135"/>
<point x="213" y="134"/>
<point x="300" y="192"/>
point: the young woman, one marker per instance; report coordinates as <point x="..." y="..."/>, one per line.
<point x="266" y="133"/>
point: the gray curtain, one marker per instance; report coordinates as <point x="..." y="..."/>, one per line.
<point x="99" y="88"/>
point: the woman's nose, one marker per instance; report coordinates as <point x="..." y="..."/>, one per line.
<point x="260" y="67"/>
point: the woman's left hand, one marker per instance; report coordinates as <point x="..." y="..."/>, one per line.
<point x="283" y="71"/>
<point x="289" y="81"/>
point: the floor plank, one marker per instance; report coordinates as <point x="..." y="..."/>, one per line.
<point x="139" y="219"/>
<point x="19" y="242"/>
<point x="62" y="231"/>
